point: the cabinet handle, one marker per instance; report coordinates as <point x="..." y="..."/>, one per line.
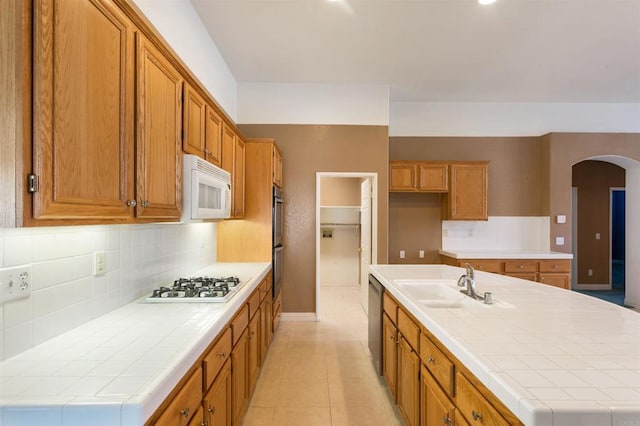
<point x="521" y="266"/>
<point x="132" y="203"/>
<point x="145" y="203"/>
<point x="555" y="266"/>
<point x="211" y="410"/>
<point x="446" y="420"/>
<point x="222" y="354"/>
<point x="431" y="360"/>
<point x="476" y="415"/>
<point x="185" y="412"/>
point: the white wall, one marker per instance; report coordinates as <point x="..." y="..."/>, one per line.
<point x="632" y="244"/>
<point x="65" y="294"/>
<point x="183" y="29"/>
<point x="267" y="103"/>
<point x="510" y="119"/>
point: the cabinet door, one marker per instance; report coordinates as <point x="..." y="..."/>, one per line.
<point x="217" y="402"/>
<point x="238" y="179"/>
<point x="556" y="280"/>
<point x="468" y="190"/>
<point x="390" y="355"/>
<point x="433" y="177"/>
<point x="254" y="351"/>
<point x="159" y="153"/>
<point x="213" y="137"/>
<point x="474" y="406"/>
<point x="435" y="408"/>
<point x="193" y="122"/>
<point x="402" y="176"/>
<point x="265" y="313"/>
<point x="408" y="383"/>
<point x="184" y="406"/>
<point x="83" y="93"/>
<point x="239" y="364"/>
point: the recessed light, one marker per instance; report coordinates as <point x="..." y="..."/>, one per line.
<point x="486" y="1"/>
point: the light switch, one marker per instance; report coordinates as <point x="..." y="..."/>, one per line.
<point x="421" y="254"/>
<point x="559" y="241"/>
<point x="401" y="254"/>
<point x="597" y="235"/>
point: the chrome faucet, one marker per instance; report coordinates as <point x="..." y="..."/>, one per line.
<point x="469" y="281"/>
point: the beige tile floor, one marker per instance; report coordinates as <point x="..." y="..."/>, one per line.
<point x="320" y="373"/>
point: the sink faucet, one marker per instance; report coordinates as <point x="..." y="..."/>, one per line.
<point x="469" y="281"/>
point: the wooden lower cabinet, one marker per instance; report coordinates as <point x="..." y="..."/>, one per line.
<point x="435" y="407"/>
<point x="474" y="406"/>
<point x="184" y="406"/>
<point x="253" y="357"/>
<point x="408" y="383"/>
<point x="390" y="355"/>
<point x="239" y="375"/>
<point x="217" y="401"/>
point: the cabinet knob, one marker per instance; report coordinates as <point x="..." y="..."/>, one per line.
<point x="476" y="415"/>
<point x="222" y="354"/>
<point x="132" y="203"/>
<point x="145" y="203"/>
<point x="446" y="420"/>
<point x="185" y="412"/>
<point x="555" y="266"/>
<point x="211" y="410"/>
<point x="430" y="360"/>
<point x="521" y="266"/>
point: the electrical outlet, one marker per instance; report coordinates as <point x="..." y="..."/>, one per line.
<point x="597" y="235"/>
<point x="590" y="272"/>
<point x="99" y="266"/>
<point x="401" y="254"/>
<point x="559" y="241"/>
<point x="15" y="283"/>
<point x="421" y="254"/>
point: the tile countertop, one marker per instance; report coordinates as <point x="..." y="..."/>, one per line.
<point x="553" y="357"/>
<point x="118" y="368"/>
<point x="496" y="254"/>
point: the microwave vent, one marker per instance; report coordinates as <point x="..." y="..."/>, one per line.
<point x="210" y="169"/>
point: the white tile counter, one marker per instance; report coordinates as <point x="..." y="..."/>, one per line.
<point x="553" y="357"/>
<point x="501" y="254"/>
<point x="118" y="368"/>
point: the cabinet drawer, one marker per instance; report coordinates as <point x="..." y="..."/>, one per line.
<point x="531" y="276"/>
<point x="185" y="404"/>
<point x="555" y="266"/>
<point x="556" y="280"/>
<point x="254" y="303"/>
<point x="488" y="265"/>
<point x="520" y="266"/>
<point x="216" y="357"/>
<point x="263" y="289"/>
<point x="390" y="307"/>
<point x="239" y="323"/>
<point x="408" y="329"/>
<point x="474" y="406"/>
<point x="437" y="363"/>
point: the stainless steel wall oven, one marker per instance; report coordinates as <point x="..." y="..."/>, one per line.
<point x="277" y="238"/>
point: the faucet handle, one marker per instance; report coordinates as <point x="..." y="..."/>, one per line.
<point x="462" y="281"/>
<point x="470" y="270"/>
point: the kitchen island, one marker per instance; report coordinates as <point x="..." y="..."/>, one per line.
<point x="119" y="368"/>
<point x="550" y="356"/>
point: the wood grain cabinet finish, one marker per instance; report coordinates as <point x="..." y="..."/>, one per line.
<point x="436" y="409"/>
<point x="277" y="166"/>
<point x="239" y="378"/>
<point x="194" y="113"/>
<point x="83" y="109"/>
<point x="217" y="401"/>
<point x="475" y="408"/>
<point x="253" y="358"/>
<point x="159" y="153"/>
<point x="418" y="176"/>
<point x="390" y="355"/>
<point x="438" y="365"/>
<point x="185" y="404"/>
<point x="233" y="161"/>
<point x="408" y="382"/>
<point x="216" y="357"/>
<point x="213" y="137"/>
<point x="468" y="192"/>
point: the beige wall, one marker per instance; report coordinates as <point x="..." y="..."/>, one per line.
<point x="593" y="180"/>
<point x="338" y="191"/>
<point x="307" y="149"/>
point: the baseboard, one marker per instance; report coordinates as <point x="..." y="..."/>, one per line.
<point x="592" y="287"/>
<point x="298" y="316"/>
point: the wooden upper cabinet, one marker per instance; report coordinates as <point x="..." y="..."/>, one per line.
<point x="468" y="192"/>
<point x="418" y="176"/>
<point x="83" y="110"/>
<point x="213" y="137"/>
<point x="277" y="167"/>
<point x="159" y="153"/>
<point x="193" y="121"/>
<point x="233" y="160"/>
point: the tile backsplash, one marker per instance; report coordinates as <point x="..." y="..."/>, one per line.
<point x="66" y="294"/>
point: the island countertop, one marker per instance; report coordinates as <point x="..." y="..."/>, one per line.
<point x="552" y="356"/>
<point x="505" y="254"/>
<point x="118" y="368"/>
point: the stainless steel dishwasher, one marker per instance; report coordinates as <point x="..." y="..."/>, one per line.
<point x="375" y="322"/>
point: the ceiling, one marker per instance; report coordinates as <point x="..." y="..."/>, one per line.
<point x="437" y="50"/>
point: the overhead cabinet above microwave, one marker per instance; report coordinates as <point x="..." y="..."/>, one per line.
<point x="99" y="138"/>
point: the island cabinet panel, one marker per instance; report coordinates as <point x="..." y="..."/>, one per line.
<point x="475" y="408"/>
<point x="217" y="401"/>
<point x="390" y="355"/>
<point x="185" y="404"/>
<point x="83" y="109"/>
<point x="436" y="408"/>
<point x="239" y="378"/>
<point x="390" y="307"/>
<point x="468" y="192"/>
<point x="408" y="382"/>
<point x="253" y="358"/>
<point x="408" y="328"/>
<point x="159" y="153"/>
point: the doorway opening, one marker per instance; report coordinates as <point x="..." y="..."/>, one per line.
<point x="346" y="234"/>
<point x="618" y="219"/>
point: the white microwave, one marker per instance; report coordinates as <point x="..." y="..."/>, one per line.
<point x="206" y="190"/>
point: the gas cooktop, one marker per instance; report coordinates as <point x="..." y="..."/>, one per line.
<point x="197" y="289"/>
